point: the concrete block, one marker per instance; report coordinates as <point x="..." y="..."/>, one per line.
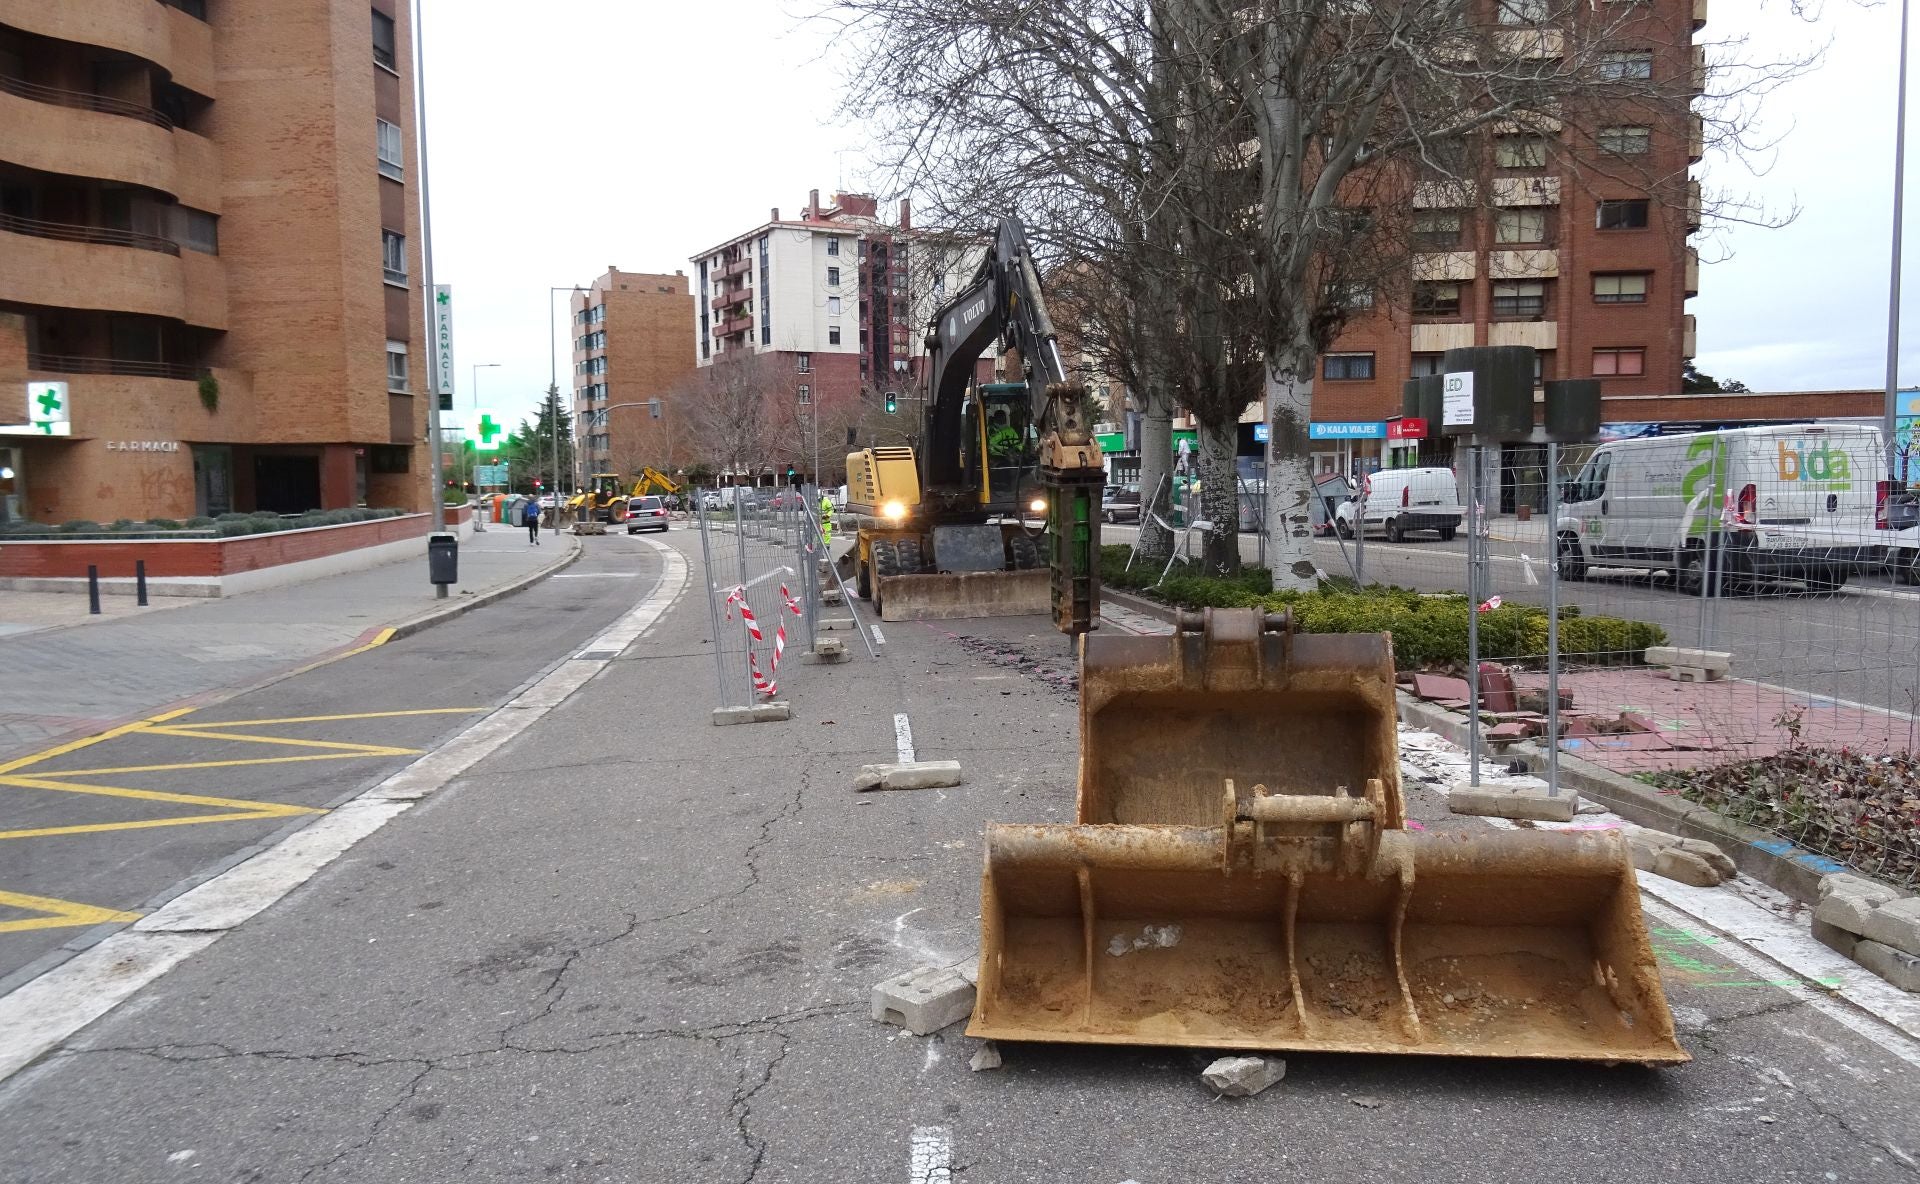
<point x="1715" y="857"/>
<point x="1853" y="885"/>
<point x="772" y="711"/>
<point x="924" y="1000"/>
<point x="1691" y="674"/>
<point x="1715" y="662"/>
<point x="1685" y="867"/>
<point x="756" y="714"/>
<point x="826" y="651"/>
<point x="831" y="596"/>
<point x="1898" y="967"/>
<point x="909" y="775"/>
<point x="1835" y="938"/>
<point x="1509" y="802"/>
<point x="838" y="624"/>
<point x="1844" y="911"/>
<point x="1243" y="1077"/>
<point x="1896" y="924"/>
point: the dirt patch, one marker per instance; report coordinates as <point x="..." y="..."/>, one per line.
<point x="1057" y="672"/>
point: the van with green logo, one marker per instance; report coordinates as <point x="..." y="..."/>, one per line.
<point x="1727" y="508"/>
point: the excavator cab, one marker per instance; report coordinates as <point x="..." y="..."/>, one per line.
<point x="1240" y="875"/>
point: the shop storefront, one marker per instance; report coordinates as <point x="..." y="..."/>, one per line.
<point x="1352" y="448"/>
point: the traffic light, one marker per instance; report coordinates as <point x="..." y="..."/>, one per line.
<point x="793" y="478"/>
<point x="893" y="403"/>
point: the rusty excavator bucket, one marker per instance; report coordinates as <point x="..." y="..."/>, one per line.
<point x="1241" y="876"/>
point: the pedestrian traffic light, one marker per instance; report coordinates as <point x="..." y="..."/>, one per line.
<point x="793" y="478"/>
<point x="893" y="402"/>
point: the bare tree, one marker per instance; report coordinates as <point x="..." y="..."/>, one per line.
<point x="729" y="412"/>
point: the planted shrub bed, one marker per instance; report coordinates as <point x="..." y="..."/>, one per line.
<point x="1429" y="631"/>
<point x="226" y="526"/>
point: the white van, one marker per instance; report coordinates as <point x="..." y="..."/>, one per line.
<point x="1400" y="500"/>
<point x="1794" y="501"/>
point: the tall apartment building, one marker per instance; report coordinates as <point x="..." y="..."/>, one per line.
<point x="630" y="349"/>
<point x="1591" y="270"/>
<point x="209" y="242"/>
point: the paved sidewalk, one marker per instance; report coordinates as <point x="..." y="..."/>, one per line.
<point x="78" y="680"/>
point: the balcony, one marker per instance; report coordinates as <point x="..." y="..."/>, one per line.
<point x="71" y="364"/>
<point x="1452" y="266"/>
<point x="1699" y="69"/>
<point x="1696" y="138"/>
<point x="1693" y="206"/>
<point x="1693" y="272"/>
<point x="173" y="39"/>
<point x="67" y="232"/>
<point x="1442" y="195"/>
<point x="730" y="299"/>
<point x="81" y="101"/>
<point x="1689" y="334"/>
<point x="732" y="325"/>
<point x="1538" y="334"/>
<point x="1530" y="43"/>
<point x="77" y="140"/>
<point x="1440" y="337"/>
<point x="737" y="267"/>
<point x="1523" y="264"/>
<point x="1699" y="14"/>
<point x="1526" y="191"/>
<point x="86" y="267"/>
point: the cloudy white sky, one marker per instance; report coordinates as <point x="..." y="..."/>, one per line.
<point x="579" y="134"/>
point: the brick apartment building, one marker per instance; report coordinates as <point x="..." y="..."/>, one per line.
<point x="1592" y="271"/>
<point x="209" y="234"/>
<point x="630" y="349"/>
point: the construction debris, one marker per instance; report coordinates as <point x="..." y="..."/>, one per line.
<point x="908" y="775"/>
<point x="1872" y="924"/>
<point x="924" y="999"/>
<point x="1243" y="1077"/>
<point x="1523" y="800"/>
<point x="987" y="1057"/>
<point x="1687" y="861"/>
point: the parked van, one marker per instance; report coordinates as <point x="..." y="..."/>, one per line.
<point x="1400" y="500"/>
<point x="1794" y="501"/>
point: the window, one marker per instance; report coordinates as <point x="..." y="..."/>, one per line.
<point x="1351" y="295"/>
<point x="1634" y="63"/>
<point x="1623" y="214"/>
<point x="1619" y="362"/>
<point x="1520" y="152"/>
<point x="1626" y="141"/>
<point x="383" y="41"/>
<point x="806" y="394"/>
<point x="1525" y="225"/>
<point x="833" y="277"/>
<point x="196" y="230"/>
<point x="394" y="249"/>
<point x="1620" y="289"/>
<point x="1348" y="366"/>
<point x="803" y="363"/>
<point x="833" y="245"/>
<point x="397" y="366"/>
<point x="1591" y="485"/>
<point x="1522" y="300"/>
<point x="1425" y="364"/>
<point x="1523" y="12"/>
<point x="1436" y="230"/>
<point x="833" y="306"/>
<point x="833" y="335"/>
<point x="393" y="160"/>
<point x="1435" y="299"/>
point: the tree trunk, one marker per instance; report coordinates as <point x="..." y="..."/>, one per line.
<point x="1289" y="479"/>
<point x="1220" y="496"/>
<point x="1156" y="462"/>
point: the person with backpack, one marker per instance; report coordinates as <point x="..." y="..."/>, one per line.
<point x="531" y="512"/>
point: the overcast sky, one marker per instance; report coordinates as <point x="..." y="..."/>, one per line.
<point x="579" y="134"/>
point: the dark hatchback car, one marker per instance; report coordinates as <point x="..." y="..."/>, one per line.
<point x="646" y="513"/>
<point x="1120" y="503"/>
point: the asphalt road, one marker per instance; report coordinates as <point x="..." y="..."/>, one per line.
<point x="1859" y="643"/>
<point x="113" y="827"/>
<point x="630" y="946"/>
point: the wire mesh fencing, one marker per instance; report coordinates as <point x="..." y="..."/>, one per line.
<point x="763" y="586"/>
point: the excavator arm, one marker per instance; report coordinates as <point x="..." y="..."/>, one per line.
<point x="1004" y="301"/>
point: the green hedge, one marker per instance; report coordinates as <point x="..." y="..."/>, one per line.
<point x="226" y="526"/>
<point x="1428" y="630"/>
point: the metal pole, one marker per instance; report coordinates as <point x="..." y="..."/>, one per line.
<point x="1553" y="621"/>
<point x="1473" y="616"/>
<point x="93" y="589"/>
<point x="1360" y="532"/>
<point x="1893" y="283"/>
<point x="140" y="582"/>
<point x="426" y="263"/>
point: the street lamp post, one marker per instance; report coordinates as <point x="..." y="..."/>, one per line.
<point x="553" y="377"/>
<point x="1893" y="296"/>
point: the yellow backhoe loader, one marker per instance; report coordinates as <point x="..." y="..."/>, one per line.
<point x="603" y="500"/>
<point x="1240" y="875"/>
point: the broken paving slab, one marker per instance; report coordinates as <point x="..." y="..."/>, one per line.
<point x="1243" y="1077"/>
<point x="909" y="775"/>
<point x="1512" y="801"/>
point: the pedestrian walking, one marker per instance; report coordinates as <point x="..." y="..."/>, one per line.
<point x="531" y="512"/>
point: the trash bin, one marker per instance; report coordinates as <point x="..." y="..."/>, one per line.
<point x="443" y="558"/>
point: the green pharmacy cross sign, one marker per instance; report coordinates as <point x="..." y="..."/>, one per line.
<point x="49" y="410"/>
<point x="486" y="431"/>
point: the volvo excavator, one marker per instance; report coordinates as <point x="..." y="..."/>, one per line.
<point x="1240" y="872"/>
<point x="997" y="512"/>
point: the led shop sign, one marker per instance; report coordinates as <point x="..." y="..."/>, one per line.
<point x="1370" y="430"/>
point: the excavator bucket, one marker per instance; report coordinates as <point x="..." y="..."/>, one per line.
<point x="1194" y="906"/>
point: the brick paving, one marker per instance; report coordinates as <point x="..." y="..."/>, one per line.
<point x="73" y="681"/>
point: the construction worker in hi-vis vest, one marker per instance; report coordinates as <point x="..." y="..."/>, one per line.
<point x="826" y="519"/>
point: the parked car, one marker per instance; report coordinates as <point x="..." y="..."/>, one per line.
<point x="1794" y="501"/>
<point x="1400" y="500"/>
<point x="646" y="513"/>
<point x="1120" y="503"/>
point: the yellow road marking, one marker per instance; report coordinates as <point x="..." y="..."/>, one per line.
<point x="89" y="828"/>
<point x="312" y="719"/>
<point x="336" y="745"/>
<point x="75" y="745"/>
<point x="263" y="760"/>
<point x="154" y="795"/>
<point x="59" y="913"/>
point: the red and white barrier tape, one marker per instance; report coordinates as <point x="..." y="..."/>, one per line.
<point x="764" y="684"/>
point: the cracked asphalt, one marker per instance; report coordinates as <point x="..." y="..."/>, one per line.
<point x="632" y="947"/>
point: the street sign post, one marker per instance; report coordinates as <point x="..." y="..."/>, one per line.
<point x="443" y="340"/>
<point x="490" y="476"/>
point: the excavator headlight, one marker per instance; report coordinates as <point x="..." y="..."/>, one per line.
<point x="894" y="510"/>
<point x="1038" y="505"/>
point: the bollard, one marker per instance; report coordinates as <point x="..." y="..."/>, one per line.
<point x="140" y="582"/>
<point x="93" y="589"/>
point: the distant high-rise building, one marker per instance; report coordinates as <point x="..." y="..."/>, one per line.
<point x="209" y="239"/>
<point x="630" y="348"/>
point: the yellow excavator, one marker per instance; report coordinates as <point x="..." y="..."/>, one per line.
<point x="998" y="511"/>
<point x="603" y="501"/>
